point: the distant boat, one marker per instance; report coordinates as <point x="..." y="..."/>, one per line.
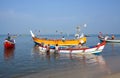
<point x="110" y="40"/>
<point x="9" y="44"/>
<point x="83" y="50"/>
<point x="107" y="39"/>
<point x="60" y="42"/>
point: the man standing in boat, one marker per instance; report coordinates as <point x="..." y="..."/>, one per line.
<point x="100" y="35"/>
<point x="9" y="38"/>
<point x="63" y="38"/>
<point x="113" y="37"/>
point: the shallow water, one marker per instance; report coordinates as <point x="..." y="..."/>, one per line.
<point x="26" y="59"/>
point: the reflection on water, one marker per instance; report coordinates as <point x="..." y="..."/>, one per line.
<point x="68" y="61"/>
<point x="42" y="55"/>
<point x="8" y="54"/>
<point x="87" y="58"/>
<point x="113" y="48"/>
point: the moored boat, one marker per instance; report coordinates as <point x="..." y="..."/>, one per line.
<point x="110" y="40"/>
<point x="60" y="42"/>
<point x="9" y="44"/>
<point x="107" y="39"/>
<point x="82" y="50"/>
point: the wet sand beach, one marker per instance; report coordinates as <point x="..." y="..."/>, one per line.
<point x="115" y="75"/>
<point x="71" y="74"/>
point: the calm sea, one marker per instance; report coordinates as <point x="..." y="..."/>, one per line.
<point x="26" y="59"/>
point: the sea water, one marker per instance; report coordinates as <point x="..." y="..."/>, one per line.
<point x="26" y="59"/>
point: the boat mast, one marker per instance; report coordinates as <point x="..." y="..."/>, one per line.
<point x="78" y="29"/>
<point x="77" y="35"/>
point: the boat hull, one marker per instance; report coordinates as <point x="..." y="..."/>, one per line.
<point x="9" y="44"/>
<point x="59" y="42"/>
<point x="110" y="40"/>
<point x="90" y="50"/>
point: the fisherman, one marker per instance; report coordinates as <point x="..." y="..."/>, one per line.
<point x="63" y="38"/>
<point x="113" y="37"/>
<point x="79" y="45"/>
<point x="48" y="49"/>
<point x="9" y="38"/>
<point x="42" y="44"/>
<point x="100" y="35"/>
<point x="56" y="49"/>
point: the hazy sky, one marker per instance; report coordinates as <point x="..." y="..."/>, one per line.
<point x="19" y="16"/>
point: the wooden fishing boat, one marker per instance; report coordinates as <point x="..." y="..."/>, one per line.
<point x="82" y="50"/>
<point x="60" y="42"/>
<point x="107" y="39"/>
<point x="9" y="44"/>
<point x="110" y="40"/>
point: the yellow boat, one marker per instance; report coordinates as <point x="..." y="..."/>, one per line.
<point x="60" y="42"/>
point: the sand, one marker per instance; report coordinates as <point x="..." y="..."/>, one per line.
<point x="66" y="75"/>
<point x="116" y="75"/>
<point x="76" y="73"/>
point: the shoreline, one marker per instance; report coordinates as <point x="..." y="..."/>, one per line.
<point x="114" y="75"/>
<point x="70" y="73"/>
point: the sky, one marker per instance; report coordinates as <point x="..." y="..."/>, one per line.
<point x="49" y="16"/>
